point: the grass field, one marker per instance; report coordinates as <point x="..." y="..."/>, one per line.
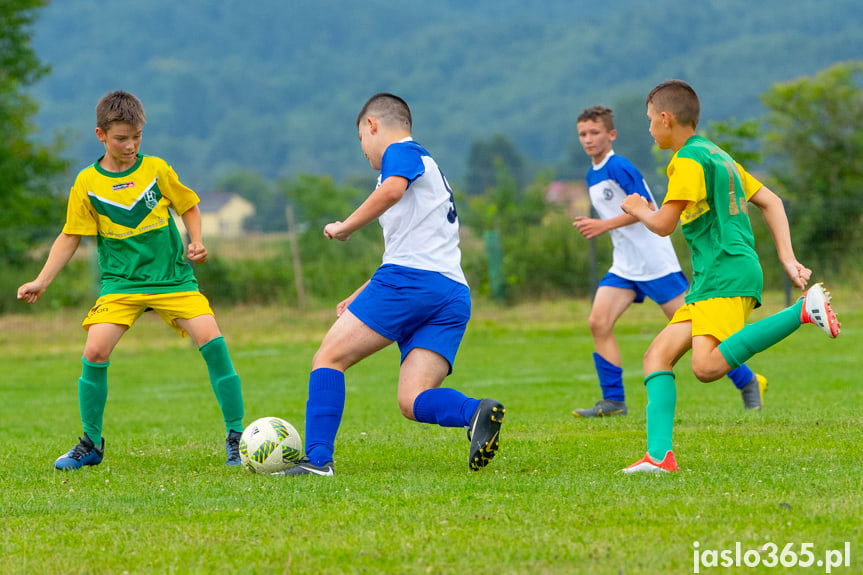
<point x="403" y="499"/>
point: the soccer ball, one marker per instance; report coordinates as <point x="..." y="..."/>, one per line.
<point x="269" y="444"/>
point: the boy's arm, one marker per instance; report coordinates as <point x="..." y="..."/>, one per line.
<point x="192" y="220"/>
<point x="592" y="227"/>
<point x="383" y="198"/>
<point x="777" y="221"/>
<point x="662" y="221"/>
<point x="61" y="252"/>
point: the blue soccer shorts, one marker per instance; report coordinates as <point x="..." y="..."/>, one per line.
<point x="660" y="290"/>
<point x="416" y="308"/>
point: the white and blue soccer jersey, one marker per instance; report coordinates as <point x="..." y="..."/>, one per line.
<point x="420" y="230"/>
<point x="639" y="254"/>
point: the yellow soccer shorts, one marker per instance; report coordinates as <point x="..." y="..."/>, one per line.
<point x="125" y="309"/>
<point x="719" y="316"/>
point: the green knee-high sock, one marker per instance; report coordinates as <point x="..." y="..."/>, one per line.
<point x="92" y="396"/>
<point x="758" y="336"/>
<point x="661" y="401"/>
<point x="225" y="382"/>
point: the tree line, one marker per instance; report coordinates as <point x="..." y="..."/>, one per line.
<point x="807" y="146"/>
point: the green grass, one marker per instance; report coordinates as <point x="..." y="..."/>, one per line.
<point x="403" y="499"/>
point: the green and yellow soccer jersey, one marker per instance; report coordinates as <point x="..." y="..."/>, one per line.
<point x="140" y="249"/>
<point x="715" y="221"/>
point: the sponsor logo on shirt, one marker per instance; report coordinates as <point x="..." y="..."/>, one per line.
<point x="123" y="186"/>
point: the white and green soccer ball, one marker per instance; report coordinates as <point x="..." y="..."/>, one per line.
<point x="269" y="444"/>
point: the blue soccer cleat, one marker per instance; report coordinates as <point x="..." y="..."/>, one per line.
<point x="85" y="453"/>
<point x="232" y="446"/>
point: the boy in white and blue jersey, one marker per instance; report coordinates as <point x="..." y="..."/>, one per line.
<point x="643" y="264"/>
<point x="418" y="297"/>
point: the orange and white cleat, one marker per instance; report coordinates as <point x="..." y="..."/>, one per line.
<point x="817" y="310"/>
<point x="649" y="465"/>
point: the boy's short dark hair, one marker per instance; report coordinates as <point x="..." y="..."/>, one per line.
<point x="388" y="108"/>
<point x="595" y="113"/>
<point x="677" y="97"/>
<point x="119" y="106"/>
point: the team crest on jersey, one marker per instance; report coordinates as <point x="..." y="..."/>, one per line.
<point x="123" y="186"/>
<point x="151" y="199"/>
<point x="607" y="194"/>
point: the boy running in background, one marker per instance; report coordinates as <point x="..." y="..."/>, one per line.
<point x="417" y="297"/>
<point x="123" y="200"/>
<point x="707" y="194"/>
<point x="643" y="264"/>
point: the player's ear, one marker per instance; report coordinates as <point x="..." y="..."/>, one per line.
<point x="100" y="133"/>
<point x="612" y="134"/>
<point x="668" y="118"/>
<point x="373" y="124"/>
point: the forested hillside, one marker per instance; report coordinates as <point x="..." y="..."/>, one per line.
<point x="275" y="86"/>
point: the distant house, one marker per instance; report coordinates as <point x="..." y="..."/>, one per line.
<point x="222" y="215"/>
<point x="571" y="195"/>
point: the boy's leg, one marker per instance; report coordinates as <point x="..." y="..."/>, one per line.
<point x="742" y="378"/>
<point x="93" y="395"/>
<point x="664" y="352"/>
<point x="324" y="409"/>
<point x="756" y="337"/>
<point x="347" y="342"/>
<point x="751" y="385"/>
<point x="229" y="393"/>
<point x="661" y="403"/>
<point x="420" y="396"/>
<point x="225" y="382"/>
<point x="422" y="399"/>
<point x="609" y="303"/>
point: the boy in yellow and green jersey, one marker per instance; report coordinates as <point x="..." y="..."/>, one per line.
<point x="708" y="194"/>
<point x="124" y="200"/>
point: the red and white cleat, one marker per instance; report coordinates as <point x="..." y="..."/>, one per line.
<point x="649" y="465"/>
<point x="817" y="310"/>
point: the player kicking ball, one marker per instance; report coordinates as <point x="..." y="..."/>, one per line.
<point x="417" y="297"/>
<point x="707" y="193"/>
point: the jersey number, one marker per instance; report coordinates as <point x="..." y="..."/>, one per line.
<point x="733" y="208"/>
<point x="452" y="215"/>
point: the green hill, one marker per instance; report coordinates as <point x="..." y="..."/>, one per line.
<point x="275" y="86"/>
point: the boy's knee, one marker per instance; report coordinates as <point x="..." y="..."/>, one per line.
<point x="320" y="359"/>
<point x="599" y="325"/>
<point x="407" y="409"/>
<point x="96" y="354"/>
<point x="706" y="374"/>
<point x="653" y="361"/>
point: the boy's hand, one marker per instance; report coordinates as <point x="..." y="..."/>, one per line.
<point x="634" y="203"/>
<point x="335" y="230"/>
<point x="589" y="227"/>
<point x="196" y="252"/>
<point x="343" y="305"/>
<point x="798" y="273"/>
<point x="31" y="291"/>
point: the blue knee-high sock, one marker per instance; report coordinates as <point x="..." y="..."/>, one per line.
<point x="741" y="376"/>
<point x="324" y="410"/>
<point x="445" y="407"/>
<point x="610" y="378"/>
